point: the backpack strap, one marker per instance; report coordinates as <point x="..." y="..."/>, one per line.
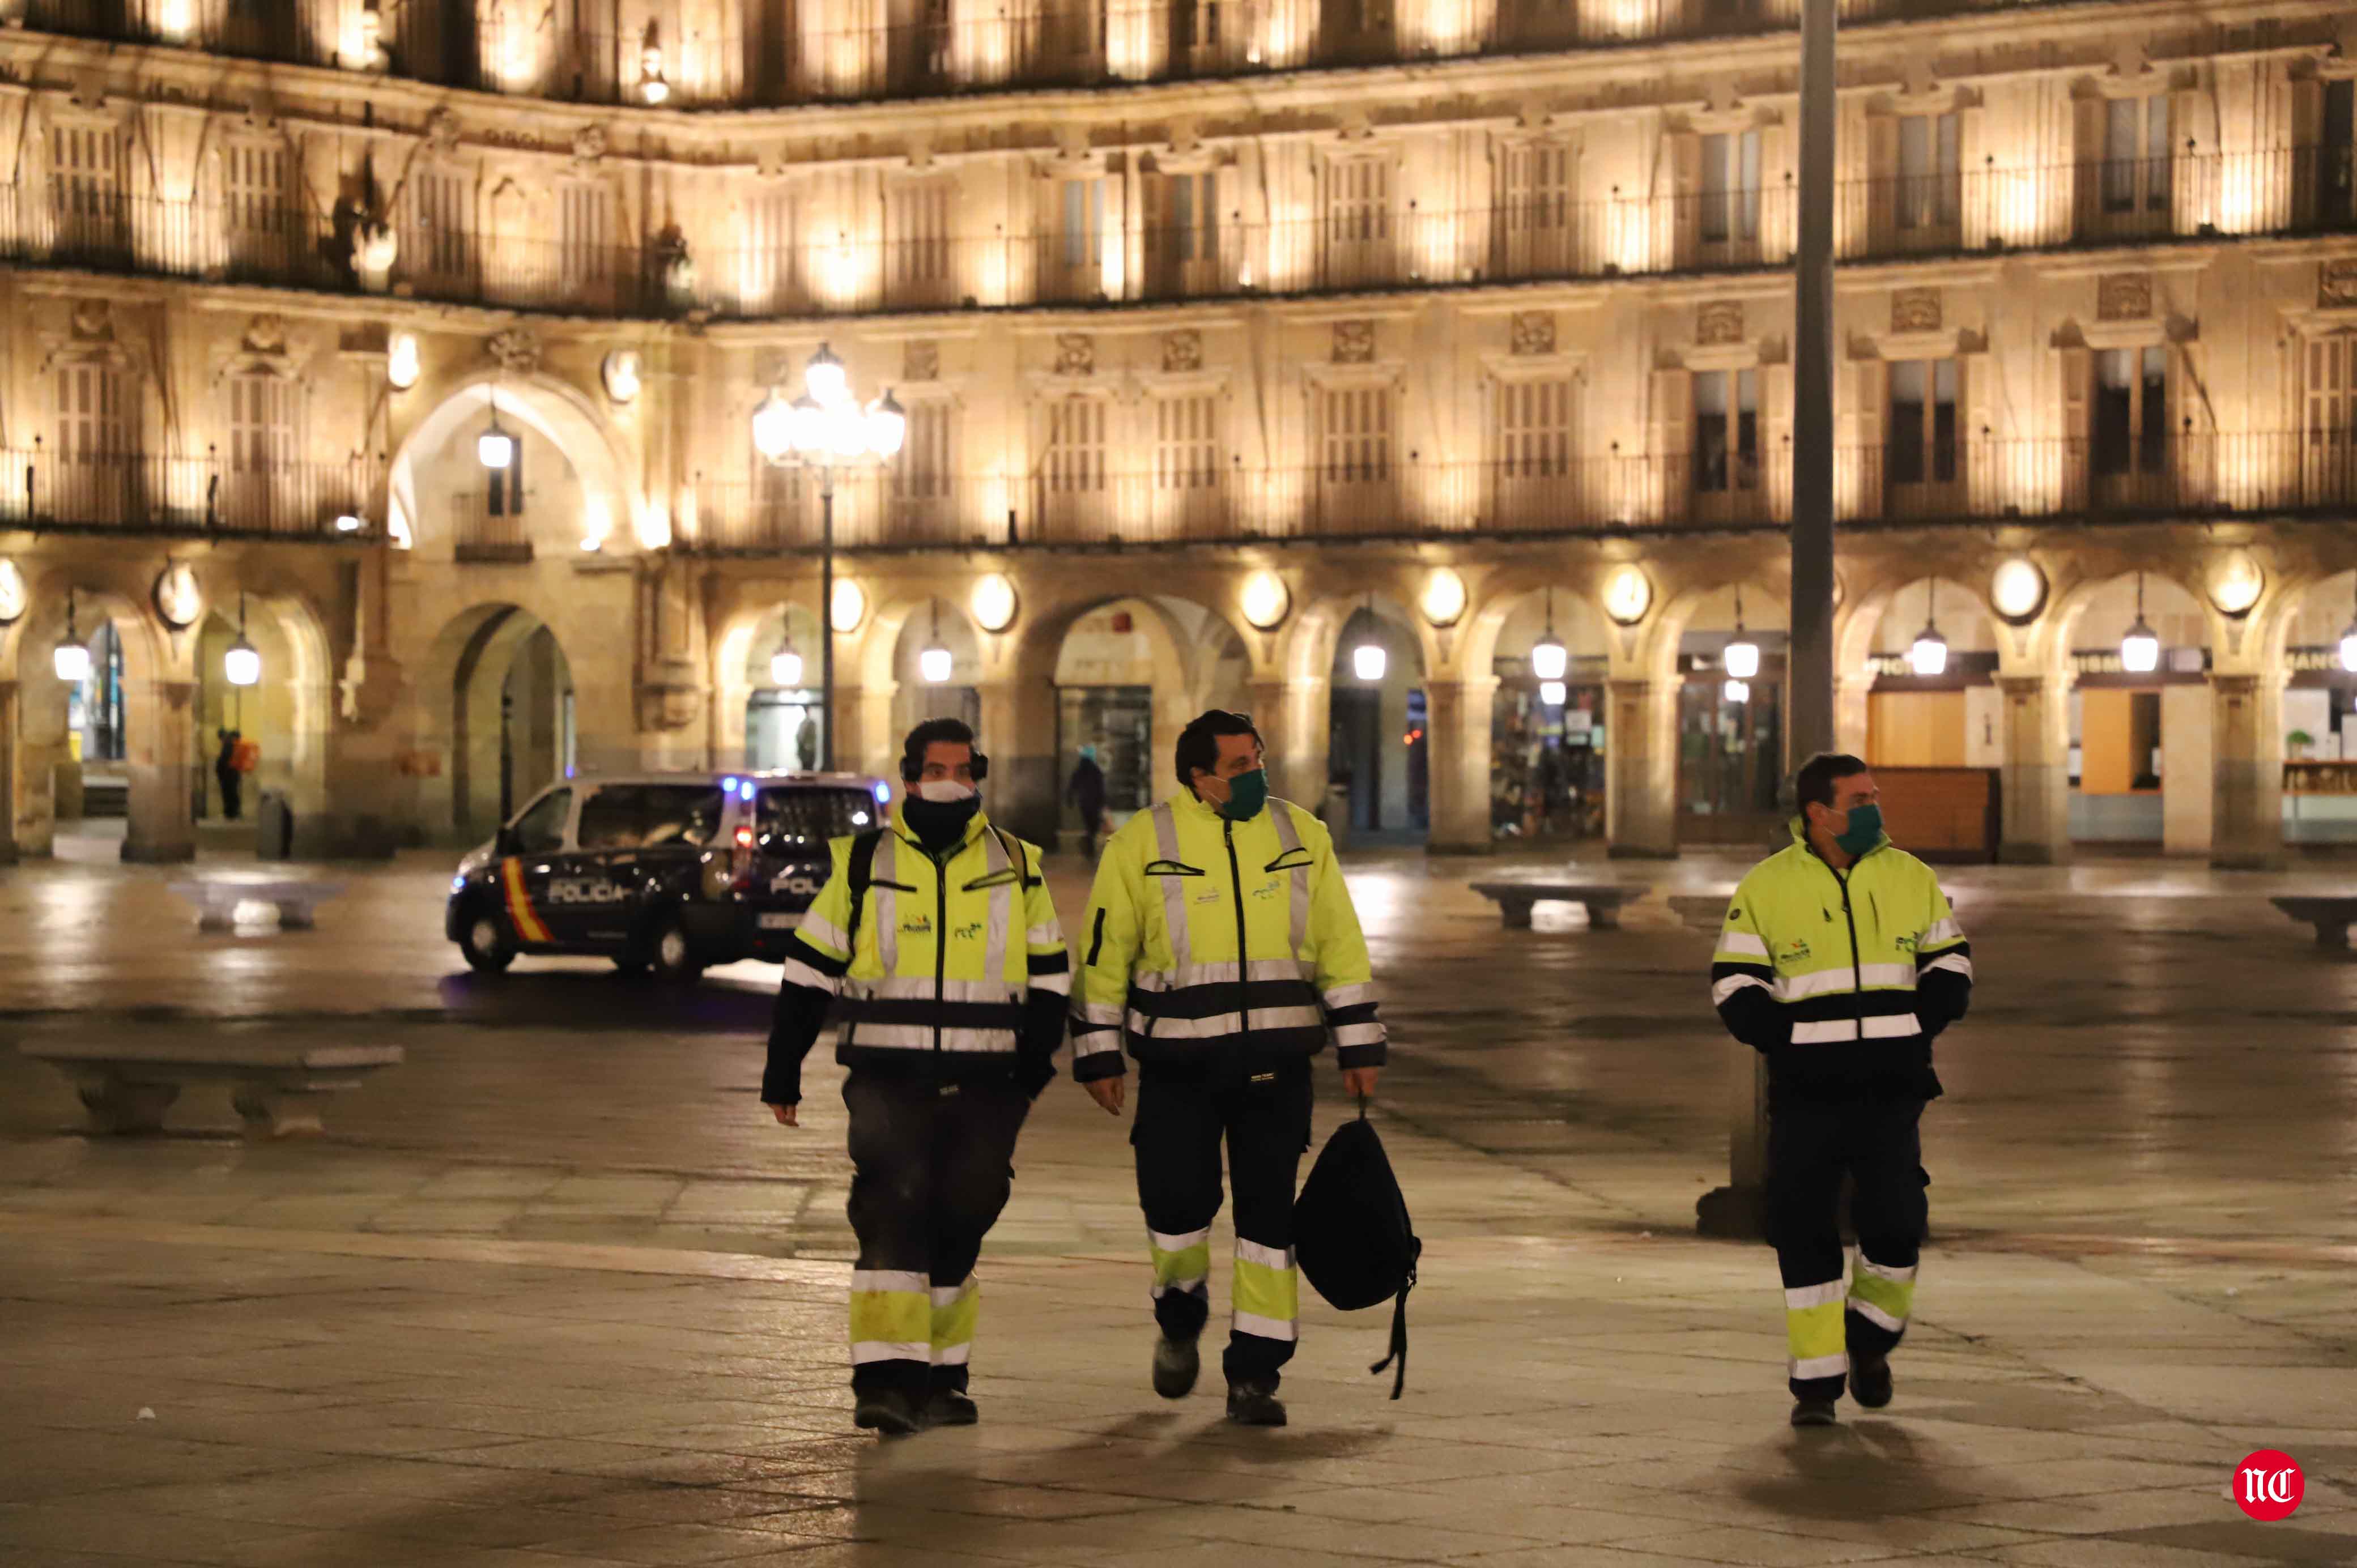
<point x="860" y="872"/>
<point x="1399" y="1330"/>
<point x="1015" y="856"/>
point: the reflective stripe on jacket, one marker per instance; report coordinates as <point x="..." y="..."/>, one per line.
<point x="1205" y="934"/>
<point x="1811" y="959"/>
<point x="948" y="966"/>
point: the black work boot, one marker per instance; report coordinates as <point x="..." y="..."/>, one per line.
<point x="1813" y="1413"/>
<point x="1176" y="1364"/>
<point x="887" y="1413"/>
<point x="1255" y="1403"/>
<point x="952" y="1407"/>
<point x="1870" y="1380"/>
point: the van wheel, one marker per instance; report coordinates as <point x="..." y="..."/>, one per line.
<point x="485" y="942"/>
<point x="671" y="955"/>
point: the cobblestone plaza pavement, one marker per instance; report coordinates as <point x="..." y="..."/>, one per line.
<point x="556" y="1292"/>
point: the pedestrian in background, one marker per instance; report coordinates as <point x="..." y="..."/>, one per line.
<point x="1841" y="962"/>
<point x="1087" y="794"/>
<point x="1223" y="948"/>
<point x="233" y="780"/>
<point x="936" y="947"/>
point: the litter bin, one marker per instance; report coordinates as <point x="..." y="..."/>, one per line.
<point x="273" y="826"/>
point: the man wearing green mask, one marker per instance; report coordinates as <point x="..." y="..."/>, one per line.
<point x="1223" y="951"/>
<point x="1841" y="962"/>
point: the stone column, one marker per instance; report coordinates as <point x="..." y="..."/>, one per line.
<point x="8" y="772"/>
<point x="1294" y="718"/>
<point x="160" y="751"/>
<point x="1641" y="802"/>
<point x="2247" y="831"/>
<point x="1850" y="708"/>
<point x="1456" y="717"/>
<point x="2036" y="777"/>
<point x="2188" y="785"/>
<point x="1018" y="732"/>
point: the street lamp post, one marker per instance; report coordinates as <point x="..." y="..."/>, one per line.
<point x="824" y="429"/>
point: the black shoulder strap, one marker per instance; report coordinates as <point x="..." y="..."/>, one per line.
<point x="861" y="872"/>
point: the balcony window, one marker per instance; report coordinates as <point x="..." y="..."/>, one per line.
<point x="1358" y="222"/>
<point x="1534" y="211"/>
<point x="1726" y="431"/>
<point x="1930" y="186"/>
<point x="2328" y="418"/>
<point x="2336" y="175"/>
<point x="2135" y="155"/>
<point x="1083" y="223"/>
<point x="1731" y="186"/>
<point x="2129" y="429"/>
<point x="261" y="446"/>
<point x="917" y="242"/>
<point x="1919" y="447"/>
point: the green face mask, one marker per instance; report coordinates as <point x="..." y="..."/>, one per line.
<point x="1247" y="793"/>
<point x="1864" y="832"/>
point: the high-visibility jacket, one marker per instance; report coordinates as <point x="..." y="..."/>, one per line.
<point x="1206" y="936"/>
<point x="1843" y="978"/>
<point x="953" y="966"/>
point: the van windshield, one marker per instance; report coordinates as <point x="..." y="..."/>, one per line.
<point x="795" y="818"/>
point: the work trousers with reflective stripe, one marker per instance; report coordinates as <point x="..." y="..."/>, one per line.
<point x="1813" y="1143"/>
<point x="1263" y="1113"/>
<point x="931" y="1166"/>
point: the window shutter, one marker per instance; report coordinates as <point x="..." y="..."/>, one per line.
<point x="2087" y="189"/>
<point x="1975" y="176"/>
<point x="1671" y="438"/>
<point x="1858" y="472"/>
<point x="2309" y="154"/>
<point x="1780" y="194"/>
<point x="2078" y="429"/>
<point x="1686" y="200"/>
<point x="2195" y="174"/>
<point x="1883" y="186"/>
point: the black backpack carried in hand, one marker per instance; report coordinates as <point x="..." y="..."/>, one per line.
<point x="1351" y="1234"/>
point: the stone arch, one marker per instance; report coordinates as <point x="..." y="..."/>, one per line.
<point x="159" y="741"/>
<point x="1378" y="748"/>
<point x="561" y="415"/>
<point x="297" y="693"/>
<point x="459" y="691"/>
<point x="2113" y="729"/>
<point x="1543" y="762"/>
<point x="741" y="649"/>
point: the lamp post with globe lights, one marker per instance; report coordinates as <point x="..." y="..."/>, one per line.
<point x="822" y="430"/>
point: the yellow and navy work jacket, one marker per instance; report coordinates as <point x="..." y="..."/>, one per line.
<point x="1207" y="937"/>
<point x="1843" y="979"/>
<point x="953" y="966"/>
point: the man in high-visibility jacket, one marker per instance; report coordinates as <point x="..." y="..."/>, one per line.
<point x="1221" y="948"/>
<point x="935" y="946"/>
<point x="1841" y="962"/>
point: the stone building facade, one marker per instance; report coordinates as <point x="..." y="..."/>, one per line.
<point x="1232" y="334"/>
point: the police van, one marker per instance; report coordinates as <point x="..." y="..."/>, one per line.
<point x="666" y="872"/>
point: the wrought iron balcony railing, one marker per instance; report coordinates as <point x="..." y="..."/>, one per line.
<point x="1083" y="503"/>
<point x="44" y="487"/>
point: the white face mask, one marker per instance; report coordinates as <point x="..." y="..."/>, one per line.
<point x="943" y="791"/>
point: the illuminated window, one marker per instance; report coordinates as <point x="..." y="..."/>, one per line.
<point x="1186" y="442"/>
<point x="1533" y="214"/>
<point x="1731" y="186"/>
<point x="2136" y="154"/>
<point x="1920" y="443"/>
<point x="1928" y="190"/>
<point x="2129" y="429"/>
<point x="1354" y="435"/>
<point x="917" y="241"/>
<point x="1726" y="431"/>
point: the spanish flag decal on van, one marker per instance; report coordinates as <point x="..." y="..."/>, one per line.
<point x="521" y="914"/>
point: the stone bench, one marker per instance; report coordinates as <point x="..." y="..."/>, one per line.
<point x="2331" y="917"/>
<point x="1602" y="900"/>
<point x="126" y="1086"/>
<point x="218" y="897"/>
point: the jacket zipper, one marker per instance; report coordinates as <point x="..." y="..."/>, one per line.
<point x="941" y="939"/>
<point x="1243" y="964"/>
<point x="1856" y="968"/>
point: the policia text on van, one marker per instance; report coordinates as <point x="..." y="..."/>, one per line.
<point x="1841" y="962"/>
<point x="936" y="947"/>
